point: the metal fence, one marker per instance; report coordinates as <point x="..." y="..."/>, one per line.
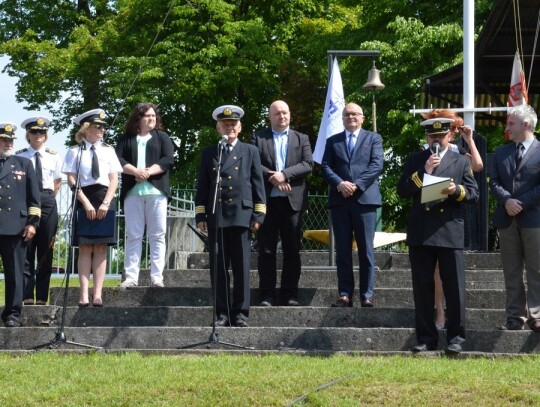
<point x="180" y="238"/>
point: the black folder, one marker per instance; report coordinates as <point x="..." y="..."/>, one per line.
<point x="95" y="228"/>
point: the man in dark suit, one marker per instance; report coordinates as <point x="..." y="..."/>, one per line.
<point x="19" y="219"/>
<point x="435" y="232"/>
<point x="515" y="184"/>
<point x="351" y="165"/>
<point x="286" y="161"/>
<point x="241" y="199"/>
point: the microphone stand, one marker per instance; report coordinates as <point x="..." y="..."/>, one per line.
<point x="216" y="210"/>
<point x="60" y="336"/>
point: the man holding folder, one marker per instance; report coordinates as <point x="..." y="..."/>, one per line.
<point x="435" y="232"/>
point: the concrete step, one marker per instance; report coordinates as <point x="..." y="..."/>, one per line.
<point x="389" y="278"/>
<point x="260" y="338"/>
<point x="478" y="319"/>
<point x="316" y="297"/>
<point x="383" y="260"/>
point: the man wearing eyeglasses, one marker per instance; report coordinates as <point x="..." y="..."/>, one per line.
<point x="352" y="163"/>
<point x="47" y="164"/>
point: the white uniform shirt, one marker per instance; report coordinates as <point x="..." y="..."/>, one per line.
<point x="108" y="163"/>
<point x="51" y="164"/>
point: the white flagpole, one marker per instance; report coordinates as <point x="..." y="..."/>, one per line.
<point x="331" y="122"/>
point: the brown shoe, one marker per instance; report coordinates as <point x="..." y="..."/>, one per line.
<point x="366" y="303"/>
<point x="343" y="302"/>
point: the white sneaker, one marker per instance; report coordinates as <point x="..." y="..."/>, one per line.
<point x="128" y="283"/>
<point x="157" y="284"/>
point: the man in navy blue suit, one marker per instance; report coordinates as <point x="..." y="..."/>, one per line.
<point x="352" y="163"/>
<point x="515" y="184"/>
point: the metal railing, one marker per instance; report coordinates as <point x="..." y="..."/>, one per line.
<point x="180" y="238"/>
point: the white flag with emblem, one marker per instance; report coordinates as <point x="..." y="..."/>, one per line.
<point x="331" y="122"/>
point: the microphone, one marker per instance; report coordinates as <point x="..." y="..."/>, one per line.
<point x="436" y="146"/>
<point x="223" y="140"/>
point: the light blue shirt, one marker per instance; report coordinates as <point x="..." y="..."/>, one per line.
<point x="281" y="142"/>
<point x="143" y="188"/>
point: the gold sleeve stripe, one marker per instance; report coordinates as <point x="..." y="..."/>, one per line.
<point x="261" y="208"/>
<point x="200" y="209"/>
<point x="462" y="193"/>
<point x="34" y="211"/>
<point x="416" y="179"/>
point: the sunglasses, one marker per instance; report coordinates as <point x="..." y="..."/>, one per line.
<point x="38" y="131"/>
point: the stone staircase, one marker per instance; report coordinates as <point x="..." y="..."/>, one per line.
<point x="168" y="319"/>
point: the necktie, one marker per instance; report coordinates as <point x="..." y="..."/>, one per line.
<point x="519" y="153"/>
<point x="95" y="163"/>
<point x="39" y="170"/>
<point x="350" y="145"/>
<point x="229" y="149"/>
<point x="2" y="161"/>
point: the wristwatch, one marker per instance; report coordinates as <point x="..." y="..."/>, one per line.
<point x="106" y="203"/>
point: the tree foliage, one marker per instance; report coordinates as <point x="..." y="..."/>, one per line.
<point x="70" y="56"/>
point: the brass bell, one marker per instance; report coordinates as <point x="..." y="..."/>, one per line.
<point x="374" y="79"/>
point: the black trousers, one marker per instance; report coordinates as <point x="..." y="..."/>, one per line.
<point x="233" y="249"/>
<point x="13" y="253"/>
<point x="280" y="221"/>
<point x="452" y="270"/>
<point x="38" y="275"/>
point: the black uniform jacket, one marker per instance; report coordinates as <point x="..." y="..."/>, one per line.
<point x="242" y="188"/>
<point x="438" y="223"/>
<point x="20" y="202"/>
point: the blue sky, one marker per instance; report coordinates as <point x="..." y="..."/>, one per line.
<point x="11" y="111"/>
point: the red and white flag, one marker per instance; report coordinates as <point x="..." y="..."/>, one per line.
<point x="518" y="88"/>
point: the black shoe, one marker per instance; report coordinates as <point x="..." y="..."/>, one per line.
<point x="12" y="323"/>
<point x="343" y="302"/>
<point x="222" y="321"/>
<point x="511" y="325"/>
<point x="421" y="347"/>
<point x="453" y="349"/>
<point x="267" y="302"/>
<point x="292" y="302"/>
<point x="240" y="322"/>
<point x="454" y="346"/>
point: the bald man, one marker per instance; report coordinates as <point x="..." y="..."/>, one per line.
<point x="286" y="161"/>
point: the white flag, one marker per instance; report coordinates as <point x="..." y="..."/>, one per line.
<point x="331" y="122"/>
<point x="518" y="89"/>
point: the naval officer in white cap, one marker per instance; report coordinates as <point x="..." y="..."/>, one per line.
<point x="98" y="180"/>
<point x="19" y="219"/>
<point x="48" y="165"/>
<point x="241" y="204"/>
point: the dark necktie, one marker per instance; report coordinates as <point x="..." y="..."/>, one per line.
<point x="519" y="153"/>
<point x="350" y="145"/>
<point x="39" y="170"/>
<point x="2" y="161"/>
<point x="229" y="149"/>
<point x="95" y="163"/>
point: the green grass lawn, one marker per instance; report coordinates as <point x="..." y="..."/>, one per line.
<point x="96" y="379"/>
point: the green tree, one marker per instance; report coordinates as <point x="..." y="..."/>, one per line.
<point x="71" y="56"/>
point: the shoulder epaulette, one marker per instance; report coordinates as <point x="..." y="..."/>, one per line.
<point x="50" y="151"/>
<point x="24" y="150"/>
